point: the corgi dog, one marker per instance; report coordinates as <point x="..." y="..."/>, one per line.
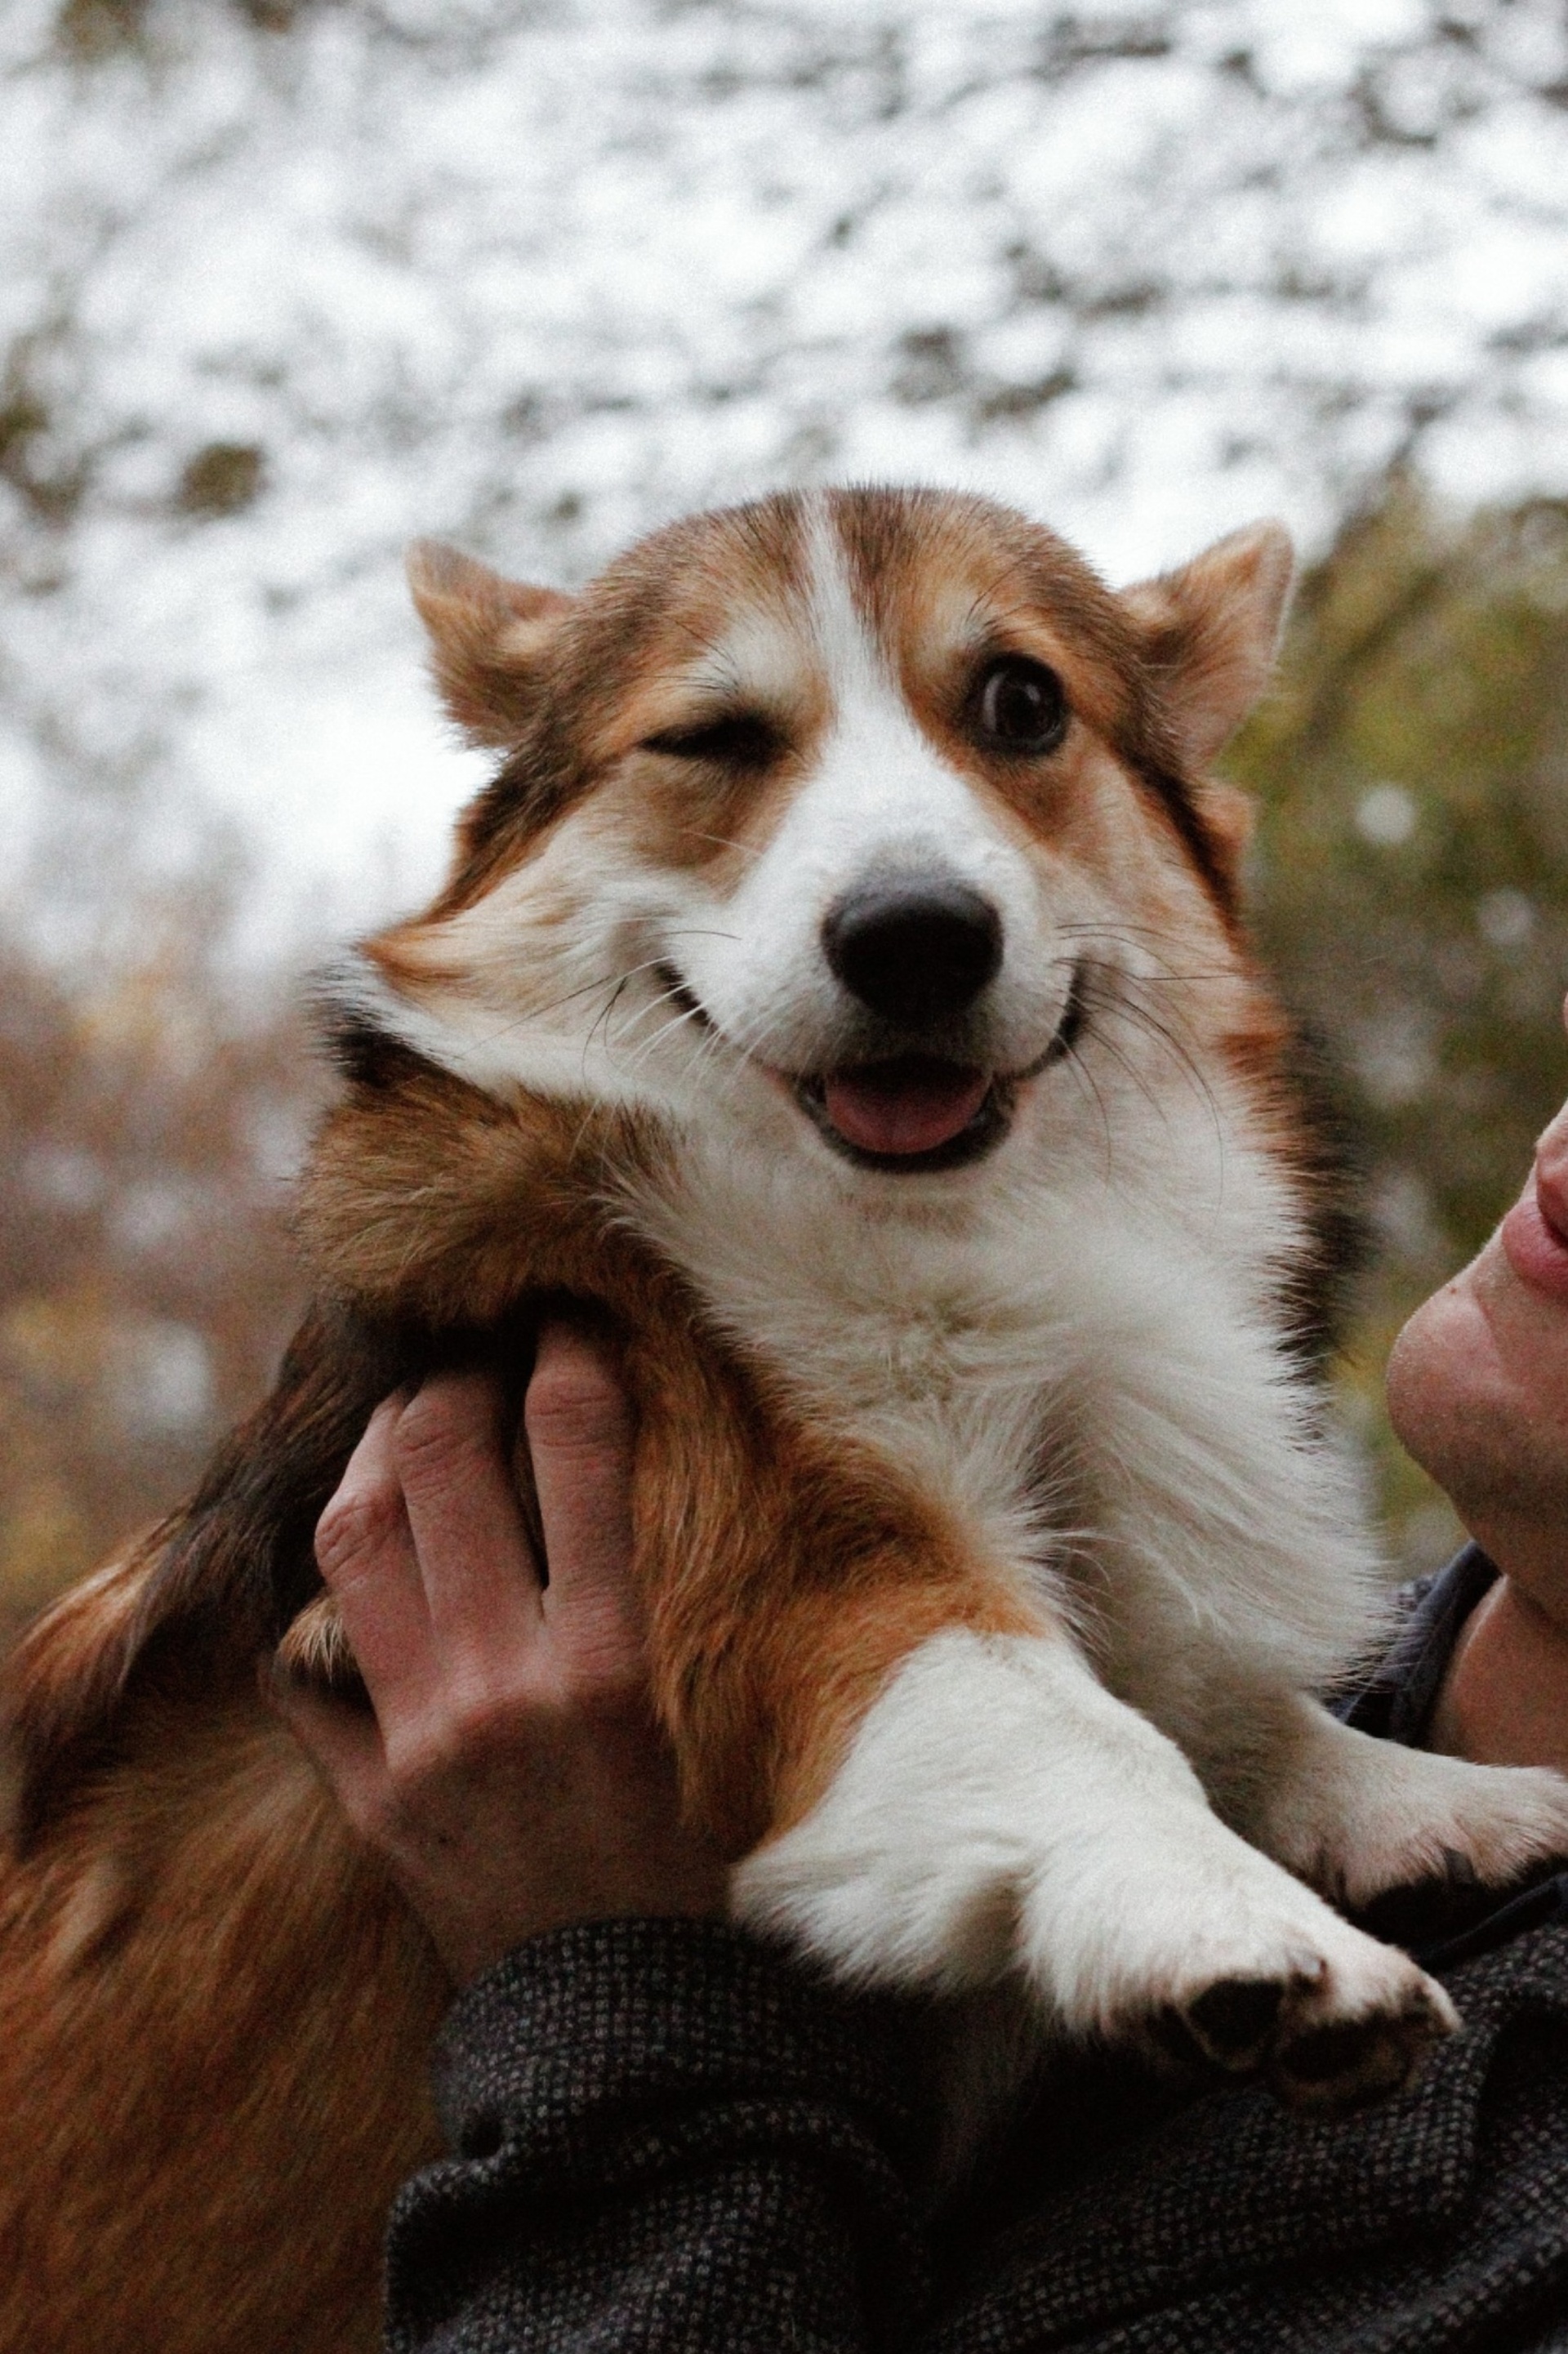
<point x="842" y="986"/>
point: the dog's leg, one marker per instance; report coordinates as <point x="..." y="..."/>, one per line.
<point x="1356" y="1816"/>
<point x="999" y="1809"/>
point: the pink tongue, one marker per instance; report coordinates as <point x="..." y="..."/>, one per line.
<point x="904" y="1107"/>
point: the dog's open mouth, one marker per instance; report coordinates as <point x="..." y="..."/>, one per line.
<point x="912" y="1112"/>
<point x="918" y="1111"/>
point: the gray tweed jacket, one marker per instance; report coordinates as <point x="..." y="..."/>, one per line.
<point x="666" y="2137"/>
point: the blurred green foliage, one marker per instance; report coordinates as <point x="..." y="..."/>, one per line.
<point x="1411" y="890"/>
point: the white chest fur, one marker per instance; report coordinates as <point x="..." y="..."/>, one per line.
<point x="1084" y="1366"/>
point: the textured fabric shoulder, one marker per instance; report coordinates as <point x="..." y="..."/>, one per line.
<point x="665" y="2137"/>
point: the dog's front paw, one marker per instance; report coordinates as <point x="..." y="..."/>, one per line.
<point x="1338" y="2051"/>
<point x="1357" y="1817"/>
<point x="1215" y="1950"/>
<point x="1353" y="2031"/>
<point x="1449" y="1818"/>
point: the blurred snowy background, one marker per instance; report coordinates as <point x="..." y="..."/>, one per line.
<point x="286" y="282"/>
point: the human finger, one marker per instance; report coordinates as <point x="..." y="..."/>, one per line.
<point x="581" y="1439"/>
<point x="481" y="1582"/>
<point x="365" y="1551"/>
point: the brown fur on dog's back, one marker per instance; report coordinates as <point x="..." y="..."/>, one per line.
<point x="215" y="2023"/>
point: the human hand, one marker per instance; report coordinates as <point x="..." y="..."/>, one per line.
<point x="512" y="1777"/>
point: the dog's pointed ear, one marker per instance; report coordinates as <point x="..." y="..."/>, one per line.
<point x="1211" y="631"/>
<point x="488" y="637"/>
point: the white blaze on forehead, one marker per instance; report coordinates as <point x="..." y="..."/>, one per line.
<point x="881" y="796"/>
<point x="855" y="664"/>
<point x="878" y="801"/>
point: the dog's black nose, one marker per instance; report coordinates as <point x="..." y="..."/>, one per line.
<point x="917" y="949"/>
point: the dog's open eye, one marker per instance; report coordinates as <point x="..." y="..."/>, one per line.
<point x="741" y="739"/>
<point x="1019" y="705"/>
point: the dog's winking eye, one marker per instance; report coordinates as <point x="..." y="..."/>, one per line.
<point x="1019" y="705"/>
<point x="738" y="739"/>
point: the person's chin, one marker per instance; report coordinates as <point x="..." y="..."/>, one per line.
<point x="1476" y="1386"/>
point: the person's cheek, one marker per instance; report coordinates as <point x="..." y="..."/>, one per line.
<point x="1434" y="1363"/>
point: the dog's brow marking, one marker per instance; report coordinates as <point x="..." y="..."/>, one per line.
<point x="722" y="841"/>
<point x="755" y="654"/>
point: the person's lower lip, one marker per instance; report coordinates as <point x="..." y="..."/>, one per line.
<point x="1534" y="1248"/>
